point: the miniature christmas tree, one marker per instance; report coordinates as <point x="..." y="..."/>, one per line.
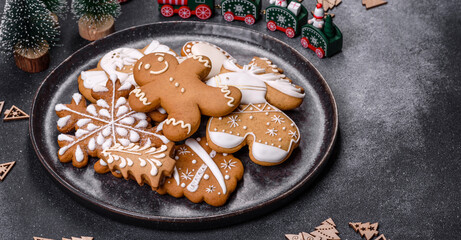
<point x="96" y="17"/>
<point x="329" y="30"/>
<point x="28" y="30"/>
<point x="57" y="7"/>
<point x="366" y="230"/>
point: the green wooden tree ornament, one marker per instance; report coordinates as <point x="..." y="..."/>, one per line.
<point x="28" y="31"/>
<point x="96" y="17"/>
<point x="328" y="29"/>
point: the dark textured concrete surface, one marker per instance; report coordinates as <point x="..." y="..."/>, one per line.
<point x="396" y="162"/>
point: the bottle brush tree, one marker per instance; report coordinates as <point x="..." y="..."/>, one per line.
<point x="27" y="30"/>
<point x="57" y="7"/>
<point x="96" y="17"/>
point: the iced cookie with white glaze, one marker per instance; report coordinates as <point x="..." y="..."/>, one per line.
<point x="116" y="64"/>
<point x="101" y="125"/>
<point x="201" y="174"/>
<point x="258" y="122"/>
<point x="216" y="54"/>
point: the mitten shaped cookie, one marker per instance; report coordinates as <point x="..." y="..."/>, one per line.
<point x="178" y="88"/>
<point x="201" y="174"/>
<point x="270" y="134"/>
<point x="99" y="126"/>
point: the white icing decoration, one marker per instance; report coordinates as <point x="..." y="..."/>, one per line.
<point x="60" y="107"/>
<point x="194" y="161"/>
<point x="194" y="184"/>
<point x="155" y="46"/>
<point x="102" y="103"/>
<point x="82" y="122"/>
<point x="216" y="56"/>
<point x="161" y="110"/>
<point x="105" y="113"/>
<point x="107" y="131"/>
<point x="79" y="154"/>
<point x="183" y="185"/>
<point x="102" y="162"/>
<point x="92" y="145"/>
<point x="195" y="146"/>
<point x="63" y="121"/>
<point x="139" y="116"/>
<point x="227" y="177"/>
<point x="142" y="124"/>
<point x="77" y="97"/>
<point x="270" y="154"/>
<point x="134" y="136"/>
<point x="128" y="120"/>
<point x="107" y="143"/>
<point x="92" y="110"/>
<point x="175" y="123"/>
<point x="161" y="70"/>
<point x="117" y="59"/>
<point x="176" y="176"/>
<point x="100" y="139"/>
<point x="64" y="137"/>
<point x="122" y="110"/>
<point x="92" y="79"/>
<point x="206" y="176"/>
<point x="127" y="84"/>
<point x="141" y="96"/>
<point x="122" y="131"/>
<point x="91" y="127"/>
<point x="124" y="142"/>
<point x="121" y="101"/>
<point x="80" y="132"/>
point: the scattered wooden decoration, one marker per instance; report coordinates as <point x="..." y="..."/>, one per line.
<point x="373" y="3"/>
<point x="1" y="105"/>
<point x="366" y="230"/>
<point x="326" y="231"/>
<point x="14" y="113"/>
<point x="40" y="238"/>
<point x="5" y="168"/>
<point x="76" y="238"/>
<point x="381" y="237"/>
<point x="329" y="4"/>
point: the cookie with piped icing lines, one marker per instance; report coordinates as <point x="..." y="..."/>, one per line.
<point x="116" y="64"/>
<point x="178" y="88"/>
<point x="98" y="126"/>
<point x="216" y="54"/>
<point x="202" y="174"/>
<point x="258" y="122"/>
<point x="147" y="164"/>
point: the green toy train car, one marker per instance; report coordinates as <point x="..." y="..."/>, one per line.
<point x="286" y="16"/>
<point x="203" y="9"/>
<point x="241" y="10"/>
<point x="324" y="42"/>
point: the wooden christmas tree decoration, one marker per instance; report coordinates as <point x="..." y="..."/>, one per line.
<point x="329" y="4"/>
<point x="366" y="230"/>
<point x="5" y="168"/>
<point x="373" y="3"/>
<point x="40" y="238"/>
<point x="76" y="238"/>
<point x="326" y="231"/>
<point x="96" y="17"/>
<point x="14" y="113"/>
<point x="28" y="30"/>
<point x="381" y="237"/>
<point x="1" y="105"/>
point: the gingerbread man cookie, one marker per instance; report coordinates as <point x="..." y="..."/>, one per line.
<point x="178" y="88"/>
<point x="270" y="133"/>
<point x="117" y="64"/>
<point x="201" y="174"/>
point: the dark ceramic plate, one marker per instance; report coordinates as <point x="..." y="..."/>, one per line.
<point x="262" y="189"/>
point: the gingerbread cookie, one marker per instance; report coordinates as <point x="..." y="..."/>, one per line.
<point x="99" y="126"/>
<point x="147" y="164"/>
<point x="201" y="174"/>
<point x="270" y="134"/>
<point x="179" y="89"/>
<point x="117" y="64"/>
<point x="216" y="54"/>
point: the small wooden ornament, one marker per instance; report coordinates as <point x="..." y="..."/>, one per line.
<point x="1" y="105"/>
<point x="40" y="238"/>
<point x="326" y="231"/>
<point x="14" y="113"/>
<point x="32" y="60"/>
<point x="329" y="4"/>
<point x="76" y="238"/>
<point x="294" y="236"/>
<point x="366" y="230"/>
<point x="381" y="237"/>
<point x="92" y="30"/>
<point x="5" y="168"/>
<point x="373" y="3"/>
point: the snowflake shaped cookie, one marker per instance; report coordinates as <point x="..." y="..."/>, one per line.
<point x="101" y="125"/>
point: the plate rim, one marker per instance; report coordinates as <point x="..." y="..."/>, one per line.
<point x="259" y="208"/>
